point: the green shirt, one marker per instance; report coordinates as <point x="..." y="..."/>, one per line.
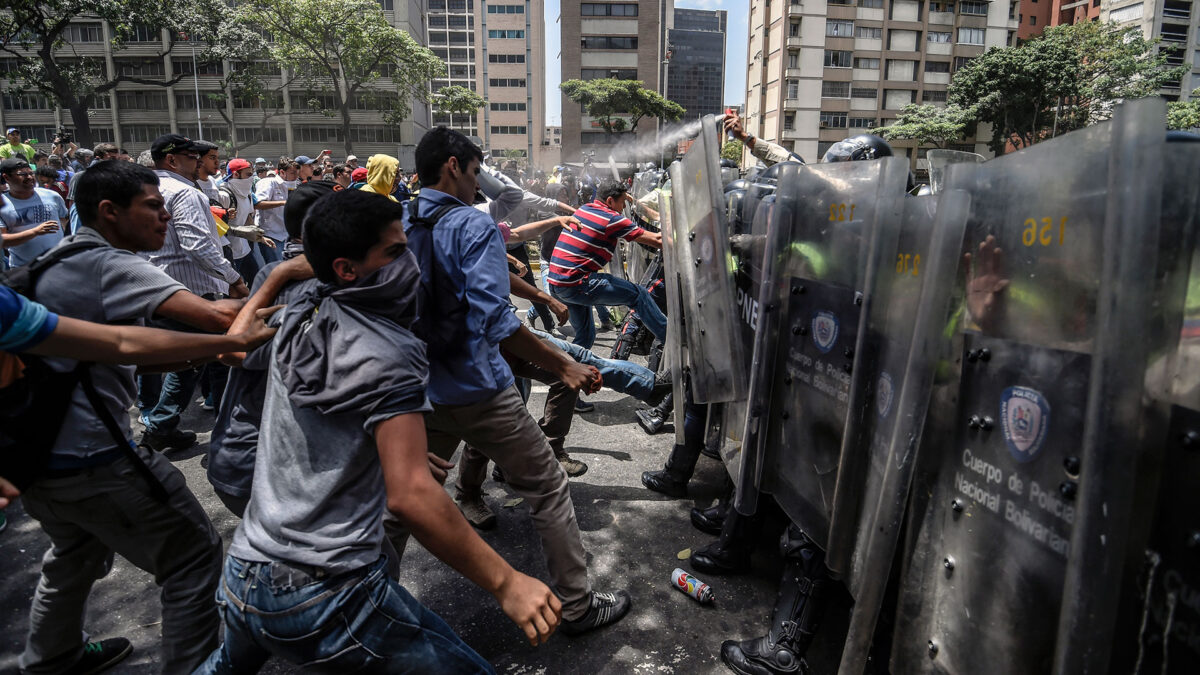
<point x="9" y="150"/>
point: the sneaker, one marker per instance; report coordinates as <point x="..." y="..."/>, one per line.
<point x="582" y="406"/>
<point x="176" y="439"/>
<point x="208" y="403"/>
<point x="573" y="467"/>
<point x="531" y="318"/>
<point x="100" y="656"/>
<point x="476" y="511"/>
<point x="604" y="609"/>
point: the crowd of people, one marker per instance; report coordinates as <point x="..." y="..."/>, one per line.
<point x="350" y="327"/>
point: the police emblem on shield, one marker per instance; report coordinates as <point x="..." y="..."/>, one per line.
<point x="1025" y="421"/>
<point x="885" y="391"/>
<point x="824" y="331"/>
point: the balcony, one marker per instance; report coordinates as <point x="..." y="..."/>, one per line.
<point x="791" y="104"/>
<point x="791" y="134"/>
<point x="1177" y="11"/>
<point x="795" y="42"/>
<point x="941" y="18"/>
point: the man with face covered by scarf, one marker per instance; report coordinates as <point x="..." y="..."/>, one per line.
<point x="343" y="439"/>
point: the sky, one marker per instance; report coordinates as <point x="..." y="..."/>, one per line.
<point x="735" y="52"/>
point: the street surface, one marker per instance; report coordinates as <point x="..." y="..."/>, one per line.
<point x="632" y="536"/>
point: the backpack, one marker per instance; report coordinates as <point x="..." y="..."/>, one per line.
<point x="34" y="405"/>
<point x="444" y="333"/>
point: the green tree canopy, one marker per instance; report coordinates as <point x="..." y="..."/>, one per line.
<point x="338" y="48"/>
<point x="456" y="99"/>
<point x="928" y="124"/>
<point x="610" y="101"/>
<point x="1184" y="114"/>
<point x="36" y="34"/>
<point x="732" y="150"/>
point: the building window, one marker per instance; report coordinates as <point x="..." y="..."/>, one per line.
<point x="862" y="122"/>
<point x="838" y="58"/>
<point x="895" y="99"/>
<point x="507" y="107"/>
<point x="871" y="4"/>
<point x="938" y="36"/>
<point x="974" y="7"/>
<point x="832" y="28"/>
<point x="1032" y="21"/>
<point x="143" y="33"/>
<point x="833" y="120"/>
<point x="184" y="67"/>
<point x="507" y="34"/>
<point x="970" y="36"/>
<point x="145" y="100"/>
<point x="835" y="90"/>
<point x="789" y="121"/>
<point x="934" y="96"/>
<point x="868" y="33"/>
<point x="386" y="5"/>
<point x="505" y="82"/>
<point x="26" y="102"/>
<point x="607" y="42"/>
<point x="607" y="9"/>
<point x="793" y="88"/>
<point x="960" y="61"/>
<point x="866" y="64"/>
<point x="937" y="66"/>
<point x="793" y="59"/>
<point x="143" y="133"/>
<point x="830" y="2"/>
<point x="508" y="130"/>
<point x="144" y="68"/>
<point x="941" y="6"/>
<point x="506" y="58"/>
<point x="794" y="29"/>
<point x="83" y="32"/>
<point x="900" y="69"/>
<point x="506" y="9"/>
<point x="864" y="93"/>
<point x="612" y="73"/>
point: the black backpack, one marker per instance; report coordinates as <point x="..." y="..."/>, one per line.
<point x="443" y="331"/>
<point x="34" y="405"/>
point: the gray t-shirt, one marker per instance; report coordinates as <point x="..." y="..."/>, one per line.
<point x="318" y="497"/>
<point x="103" y="285"/>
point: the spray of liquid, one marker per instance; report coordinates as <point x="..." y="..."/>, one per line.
<point x="650" y="148"/>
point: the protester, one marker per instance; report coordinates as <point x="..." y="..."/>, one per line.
<point x="358" y="178"/>
<point x="382" y="171"/>
<point x="14" y="148"/>
<point x="47" y="178"/>
<point x="32" y="219"/>
<point x="270" y="194"/>
<point x="341" y="176"/>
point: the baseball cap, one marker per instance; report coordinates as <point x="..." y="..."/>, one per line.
<point x="359" y="174"/>
<point x="13" y="164"/>
<point x="169" y="144"/>
<point x="260" y="160"/>
<point x="351" y="158"/>
<point x="204" y="146"/>
<point x="9" y="130"/>
<point x="237" y="164"/>
<point x="304" y="159"/>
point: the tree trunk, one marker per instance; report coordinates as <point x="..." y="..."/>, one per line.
<point x="345" y="110"/>
<point x="79" y="117"/>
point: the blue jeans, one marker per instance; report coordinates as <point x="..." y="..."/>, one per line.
<point x="360" y="621"/>
<point x="163" y="398"/>
<point x="598" y="288"/>
<point x="270" y="255"/>
<point x="625" y="377"/>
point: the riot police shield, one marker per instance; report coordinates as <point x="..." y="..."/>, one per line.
<point x="1022" y="499"/>
<point x="675" y="356"/>
<point x="714" y="343"/>
<point x="817" y="264"/>
<point x="939" y="160"/>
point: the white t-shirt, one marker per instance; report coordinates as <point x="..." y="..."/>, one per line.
<point x="272" y="189"/>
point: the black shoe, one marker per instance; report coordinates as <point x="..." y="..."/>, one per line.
<point x="660" y="482"/>
<point x="100" y="656"/>
<point x="709" y="520"/>
<point x="582" y="406"/>
<point x="175" y="439"/>
<point x="756" y="657"/>
<point x="662" y="385"/>
<point x="713" y="559"/>
<point x="605" y="609"/>
<point x="649" y="421"/>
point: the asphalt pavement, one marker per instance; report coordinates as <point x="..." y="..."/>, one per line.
<point x="633" y="537"/>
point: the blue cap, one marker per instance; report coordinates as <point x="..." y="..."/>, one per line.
<point x="259" y="160"/>
<point x="305" y="159"/>
<point x="10" y="130"/>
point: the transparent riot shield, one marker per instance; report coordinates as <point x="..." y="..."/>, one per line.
<point x="817" y="264"/>
<point x="675" y="356"/>
<point x="940" y="159"/>
<point x="707" y="274"/>
<point x="1021" y="503"/>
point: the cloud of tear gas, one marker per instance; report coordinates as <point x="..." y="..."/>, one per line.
<point x="649" y="147"/>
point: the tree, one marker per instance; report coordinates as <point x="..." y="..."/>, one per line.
<point x="610" y="101"/>
<point x="47" y="63"/>
<point x="732" y="150"/>
<point x="930" y="124"/>
<point x="1184" y="114"/>
<point x="338" y="48"/>
<point x="456" y="99"/>
<point x="1066" y="78"/>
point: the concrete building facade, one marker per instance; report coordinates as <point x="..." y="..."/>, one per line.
<point x="696" y="66"/>
<point x="282" y="123"/>
<point x="624" y="39"/>
<point x="496" y="48"/>
<point x="1176" y="22"/>
<point x="819" y="71"/>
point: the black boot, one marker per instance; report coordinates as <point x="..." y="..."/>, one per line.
<point x="730" y="553"/>
<point x="712" y="519"/>
<point x="650" y="420"/>
<point x="795" y="621"/>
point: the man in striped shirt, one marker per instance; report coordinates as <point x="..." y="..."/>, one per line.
<point x="575" y="276"/>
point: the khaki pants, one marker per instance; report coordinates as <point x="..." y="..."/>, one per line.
<point x="97" y="512"/>
<point x="501" y="429"/>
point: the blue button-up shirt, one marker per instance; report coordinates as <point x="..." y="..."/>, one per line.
<point x="467" y="245"/>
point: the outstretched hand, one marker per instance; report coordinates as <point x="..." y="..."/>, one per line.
<point x="986" y="281"/>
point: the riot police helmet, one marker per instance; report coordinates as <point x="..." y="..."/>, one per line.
<point x="727" y="163"/>
<point x="739" y="184"/>
<point x="858" y="148"/>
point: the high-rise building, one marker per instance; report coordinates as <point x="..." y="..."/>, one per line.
<point x="496" y="48"/>
<point x="820" y="71"/>
<point x="1176" y="22"/>
<point x="283" y="122"/>
<point x="696" y="66"/>
<point x="623" y="40"/>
